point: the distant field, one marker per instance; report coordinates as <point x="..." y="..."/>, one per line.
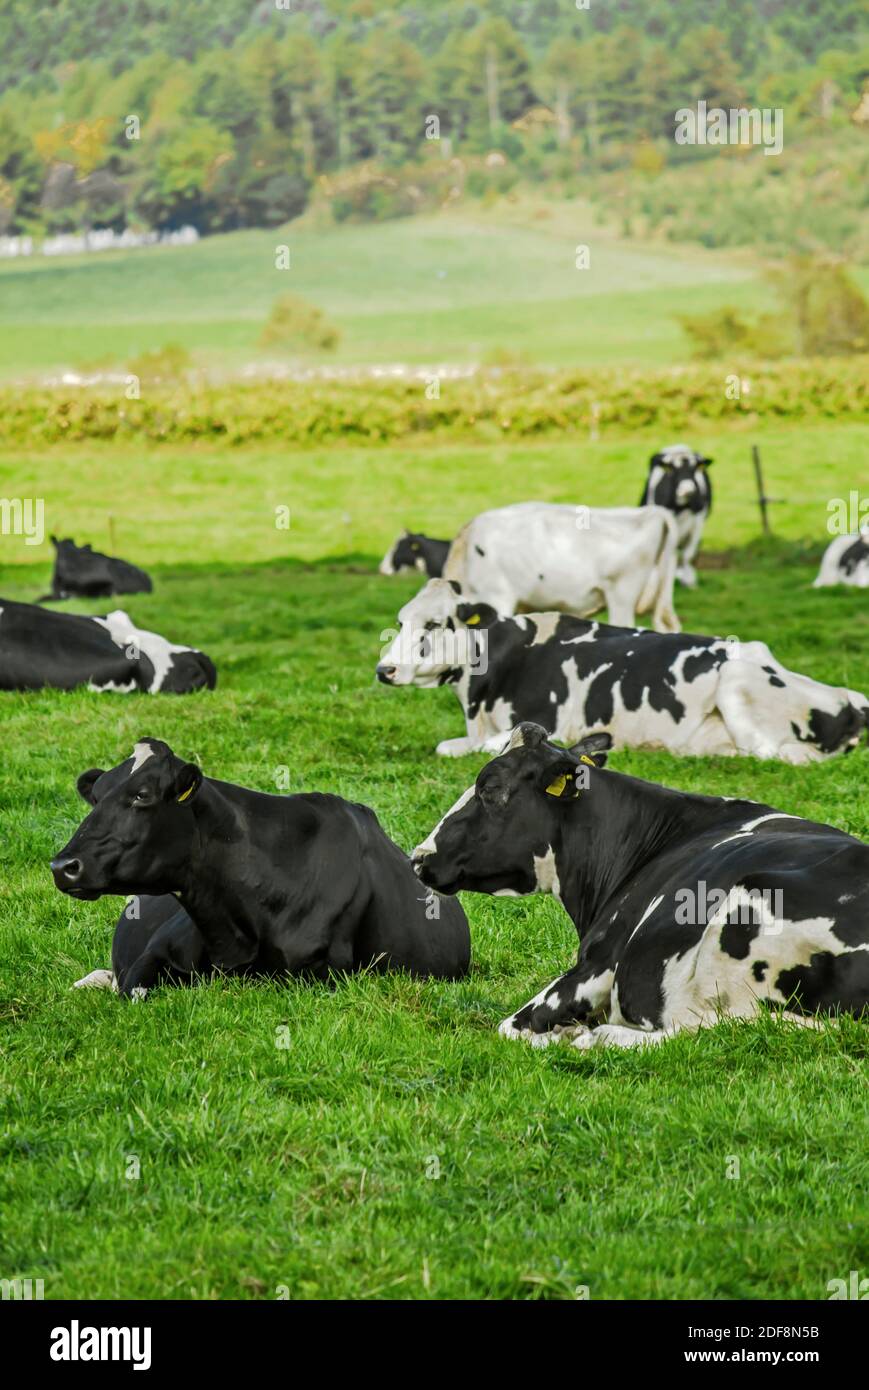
<point x="451" y="287"/>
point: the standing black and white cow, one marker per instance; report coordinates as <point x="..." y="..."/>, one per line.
<point x="678" y="480"/>
<point x="689" y="694"/>
<point x="846" y="561"/>
<point x="269" y="885"/>
<point x="414" y="551"/>
<point x="80" y="572"/>
<point x="687" y="907"/>
<point x="40" y="648"/>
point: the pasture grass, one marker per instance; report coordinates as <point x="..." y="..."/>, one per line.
<point x="454" y="286"/>
<point x="397" y="1148"/>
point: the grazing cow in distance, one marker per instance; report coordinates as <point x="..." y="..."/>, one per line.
<point x="42" y="649"/>
<point x="687" y="907"/>
<point x="80" y="572"/>
<point x="846" y="561"/>
<point x="537" y="556"/>
<point x="269" y="885"/>
<point x="573" y="676"/>
<point x="678" y="480"/>
<point x="414" y="551"/>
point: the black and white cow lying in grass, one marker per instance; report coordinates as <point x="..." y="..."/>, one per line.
<point x="687" y="907"/>
<point x="678" y="480"/>
<point x="268" y="885"/>
<point x="688" y="694"/>
<point x="40" y="648"/>
<point x="537" y="556"/>
<point x="81" y="572"/>
<point x="414" y="551"/>
<point x="846" y="561"/>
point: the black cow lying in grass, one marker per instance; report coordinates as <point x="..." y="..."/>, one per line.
<point x="413" y="551"/>
<point x="268" y="885"/>
<point x="39" y="649"/>
<point x="80" y="572"/>
<point x="687" y="907"/>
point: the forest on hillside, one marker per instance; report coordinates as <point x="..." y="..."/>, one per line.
<point x="231" y="114"/>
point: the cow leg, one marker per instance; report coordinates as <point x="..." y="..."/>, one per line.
<point x="558" y="1012"/>
<point x="457" y="747"/>
<point x="621" y="600"/>
<point x="617" y="1035"/>
<point x="97" y="979"/>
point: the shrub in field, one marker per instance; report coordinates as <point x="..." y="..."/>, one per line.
<point x="507" y="404"/>
<point x="294" y="323"/>
<point x="824" y="314"/>
<point x="164" y="366"/>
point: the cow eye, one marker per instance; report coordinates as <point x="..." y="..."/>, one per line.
<point x="141" y="796"/>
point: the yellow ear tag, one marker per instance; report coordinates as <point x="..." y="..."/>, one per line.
<point x="184" y="795"/>
<point x="583" y="759"/>
<point x="556" y="788"/>
<point x="473" y="620"/>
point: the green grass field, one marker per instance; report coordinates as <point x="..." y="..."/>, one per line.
<point x="452" y="287"/>
<point x="398" y="1148"/>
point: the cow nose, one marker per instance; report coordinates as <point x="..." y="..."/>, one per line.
<point x="385" y="673"/>
<point x="67" y="870"/>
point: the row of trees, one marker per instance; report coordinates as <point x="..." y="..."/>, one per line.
<point x="232" y="123"/>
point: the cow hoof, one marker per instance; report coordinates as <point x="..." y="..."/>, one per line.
<point x="138" y="993"/>
<point x="453" y="748"/>
<point x="97" y="979"/>
<point x="585" y="1041"/>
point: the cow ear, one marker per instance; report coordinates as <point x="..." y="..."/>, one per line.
<point x="564" y="781"/>
<point x="656" y="458"/>
<point x="85" y="784"/>
<point x="705" y="462"/>
<point x="476" y="614"/>
<point x="593" y="749"/>
<point x="187" y="783"/>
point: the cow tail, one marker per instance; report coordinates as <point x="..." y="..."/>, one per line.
<point x="664" y="618"/>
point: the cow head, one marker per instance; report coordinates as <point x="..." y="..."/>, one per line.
<point x="405" y="554"/>
<point x="496" y="837"/>
<point x="439" y="636"/>
<point x="677" y="479"/>
<point x="139" y="835"/>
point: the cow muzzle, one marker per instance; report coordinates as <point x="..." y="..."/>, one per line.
<point x="68" y="873"/>
<point x="385" y="674"/>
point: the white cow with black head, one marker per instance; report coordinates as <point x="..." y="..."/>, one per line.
<point x="678" y="480"/>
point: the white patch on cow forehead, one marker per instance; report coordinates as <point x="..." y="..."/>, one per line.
<point x="428" y="845"/>
<point x="141" y="753"/>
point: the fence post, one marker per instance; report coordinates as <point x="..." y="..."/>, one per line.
<point x="761" y="495"/>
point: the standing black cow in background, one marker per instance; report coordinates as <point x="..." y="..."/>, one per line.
<point x="678" y="481"/>
<point x="80" y="572"/>
<point x="266" y="885"/>
<point x="414" y="551"/>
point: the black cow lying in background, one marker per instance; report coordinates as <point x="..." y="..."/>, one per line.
<point x="80" y="572"/>
<point x="687" y="907"/>
<point x="267" y="885"/>
<point x="39" y="648"/>
<point x="413" y="551"/>
<point x="678" y="480"/>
